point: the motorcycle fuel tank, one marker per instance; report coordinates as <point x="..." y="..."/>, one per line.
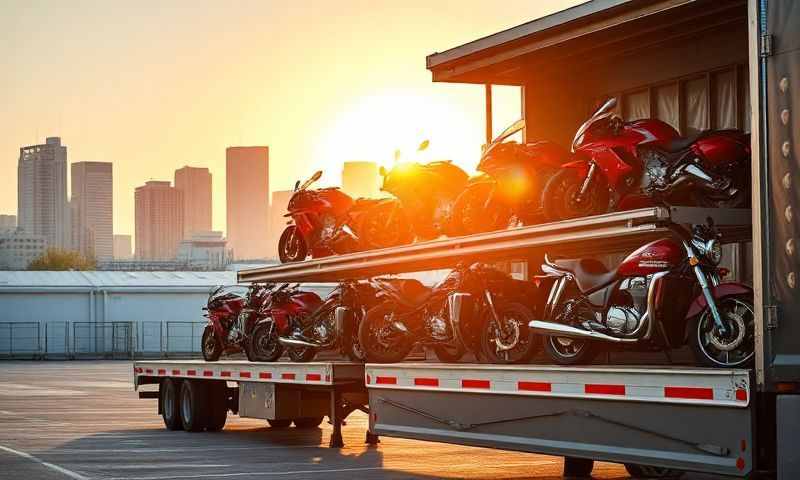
<point x="654" y="257"/>
<point x="331" y="199"/>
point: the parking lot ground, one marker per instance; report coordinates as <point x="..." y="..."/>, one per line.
<point x="82" y="420"/>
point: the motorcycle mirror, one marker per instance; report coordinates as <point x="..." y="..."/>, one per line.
<point x="296" y="185"/>
<point x="317" y="175"/>
<point x="423" y="146"/>
<point x="382" y="171"/>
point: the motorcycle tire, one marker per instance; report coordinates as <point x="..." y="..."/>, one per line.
<point x="557" y="195"/>
<point x="470" y="215"/>
<point x="301" y="354"/>
<point x="699" y="327"/>
<point x="449" y="354"/>
<point x="374" y="350"/>
<point x="375" y="232"/>
<point x="210" y="345"/>
<point x="354" y="351"/>
<point x="263" y="345"/>
<point x="524" y="341"/>
<point x="292" y="246"/>
<point x="556" y="349"/>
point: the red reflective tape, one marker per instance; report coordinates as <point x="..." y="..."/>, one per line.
<point x="313" y="377"/>
<point x="426" y="382"/>
<point x="191" y="373"/>
<point x="535" y="386"/>
<point x="691" y="393"/>
<point x="162" y="371"/>
<point x="149" y="370"/>
<point x="328" y="378"/>
<point x="386" y="380"/>
<point x="601" y="389"/>
<point x="471" y="383"/>
<point x="244" y="374"/>
<point x="287" y="376"/>
<point x="369" y="380"/>
<point x="208" y="373"/>
<point x="741" y="394"/>
<point x="176" y="372"/>
<point x="265" y="375"/>
<point x="225" y="374"/>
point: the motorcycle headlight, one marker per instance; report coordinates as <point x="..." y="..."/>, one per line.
<point x="712" y="250"/>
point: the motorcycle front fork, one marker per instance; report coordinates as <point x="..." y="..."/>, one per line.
<point x="712" y="304"/>
<point x="586" y="182"/>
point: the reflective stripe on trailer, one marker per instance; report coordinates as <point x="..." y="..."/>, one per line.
<point x="309" y="373"/>
<point x="723" y="387"/>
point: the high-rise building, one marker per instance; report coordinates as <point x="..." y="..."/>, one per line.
<point x="42" y="207"/>
<point x="277" y="221"/>
<point x="247" y="199"/>
<point x="8" y="223"/>
<point x="204" y="250"/>
<point x="122" y="247"/>
<point x="195" y="183"/>
<point x="159" y="221"/>
<point x="18" y="249"/>
<point x="92" y="206"/>
<point x="361" y="179"/>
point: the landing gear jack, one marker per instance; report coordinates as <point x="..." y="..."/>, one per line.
<point x="578" y="468"/>
<point x="340" y="410"/>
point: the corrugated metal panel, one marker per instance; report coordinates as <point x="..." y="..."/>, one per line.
<point x="100" y="279"/>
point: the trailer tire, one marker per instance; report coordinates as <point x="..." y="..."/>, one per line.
<point x="218" y="406"/>
<point x="308" y="422"/>
<point x="279" y="423"/>
<point x="645" y="471"/>
<point x="169" y="403"/>
<point x="194" y="405"/>
<point x="578" y="467"/>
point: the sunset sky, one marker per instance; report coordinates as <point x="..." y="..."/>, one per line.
<point x="153" y="86"/>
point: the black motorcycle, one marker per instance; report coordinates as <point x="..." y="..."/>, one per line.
<point x="475" y="308"/>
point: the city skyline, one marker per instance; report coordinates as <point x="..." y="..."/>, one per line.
<point x="247" y="201"/>
<point x="159" y="221"/>
<point x="92" y="207"/>
<point x="195" y="183"/>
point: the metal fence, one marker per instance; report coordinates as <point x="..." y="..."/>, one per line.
<point x="108" y="340"/>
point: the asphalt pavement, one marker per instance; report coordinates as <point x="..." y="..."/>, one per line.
<point x="82" y="420"/>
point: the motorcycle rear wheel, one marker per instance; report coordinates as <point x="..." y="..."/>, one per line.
<point x="471" y="216"/>
<point x="569" y="351"/>
<point x="449" y="354"/>
<point x="263" y="345"/>
<point x="291" y="246"/>
<point x="521" y="340"/>
<point x="210" y="345"/>
<point x="370" y="331"/>
<point x="558" y="196"/>
<point x="302" y="354"/>
<point x="376" y="230"/>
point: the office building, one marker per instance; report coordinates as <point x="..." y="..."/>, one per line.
<point x="277" y="221"/>
<point x="18" y="249"/>
<point x="122" y="247"/>
<point x="247" y="201"/>
<point x="204" y="250"/>
<point x="42" y="207"/>
<point x="159" y="221"/>
<point x="195" y="183"/>
<point x="361" y="179"/>
<point x="92" y="206"/>
<point x="8" y="223"/>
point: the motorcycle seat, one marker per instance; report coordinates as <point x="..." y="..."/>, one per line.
<point x="410" y="291"/>
<point x="590" y="274"/>
<point x="679" y="144"/>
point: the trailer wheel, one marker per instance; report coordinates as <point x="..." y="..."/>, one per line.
<point x="169" y="399"/>
<point x="282" y="423"/>
<point x="308" y="422"/>
<point x="645" y="471"/>
<point x="218" y="406"/>
<point x="578" y="467"/>
<point x="194" y="405"/>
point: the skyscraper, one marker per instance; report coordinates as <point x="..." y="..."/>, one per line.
<point x="361" y="179"/>
<point x="42" y="192"/>
<point x="92" y="205"/>
<point x="122" y="247"/>
<point x="277" y="221"/>
<point x="195" y="183"/>
<point x="159" y="221"/>
<point x="8" y="223"/>
<point x="247" y="201"/>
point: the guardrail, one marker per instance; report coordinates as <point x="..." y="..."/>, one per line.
<point x="107" y="340"/>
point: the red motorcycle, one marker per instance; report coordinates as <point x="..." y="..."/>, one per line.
<point x="662" y="296"/>
<point x="232" y="312"/>
<point x="624" y="165"/>
<point x="323" y="222"/>
<point x="511" y="192"/>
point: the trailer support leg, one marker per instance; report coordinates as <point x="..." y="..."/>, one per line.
<point x="372" y="439"/>
<point x="578" y="467"/>
<point x="337" y="415"/>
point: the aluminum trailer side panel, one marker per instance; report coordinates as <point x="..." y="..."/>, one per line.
<point x="635" y="415"/>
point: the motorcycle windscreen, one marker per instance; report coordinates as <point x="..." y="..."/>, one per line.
<point x="782" y="196"/>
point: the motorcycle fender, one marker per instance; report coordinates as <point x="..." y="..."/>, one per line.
<point x="580" y="166"/>
<point x="720" y="291"/>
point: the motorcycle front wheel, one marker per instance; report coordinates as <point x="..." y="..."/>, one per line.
<point x="511" y="341"/>
<point x="569" y="351"/>
<point x="559" y="197"/>
<point x="470" y="214"/>
<point x="734" y="349"/>
<point x="211" y="346"/>
<point x="291" y="246"/>
<point x="381" y="342"/>
<point x="263" y="345"/>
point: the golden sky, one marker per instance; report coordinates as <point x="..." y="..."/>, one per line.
<point x="152" y="86"/>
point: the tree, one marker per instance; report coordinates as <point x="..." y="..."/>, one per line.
<point x="59" y="259"/>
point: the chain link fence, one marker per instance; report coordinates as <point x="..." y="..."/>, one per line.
<point x="100" y="340"/>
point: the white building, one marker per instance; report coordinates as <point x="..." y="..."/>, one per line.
<point x="42" y="192"/>
<point x="8" y="223"/>
<point x="204" y="250"/>
<point x="18" y="249"/>
<point x="92" y="209"/>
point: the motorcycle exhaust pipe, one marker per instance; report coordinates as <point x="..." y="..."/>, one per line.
<point x="293" y="342"/>
<point x="558" y="330"/>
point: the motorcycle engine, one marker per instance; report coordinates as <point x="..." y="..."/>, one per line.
<point x="654" y="171"/>
<point x="441" y="213"/>
<point x="328" y="229"/>
<point x="625" y="316"/>
<point x="437" y="326"/>
<point x="324" y="330"/>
